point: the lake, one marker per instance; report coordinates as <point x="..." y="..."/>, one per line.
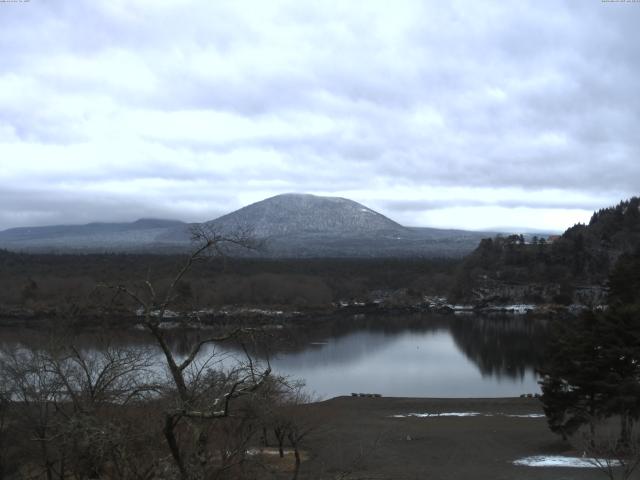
<point x="408" y="356"/>
<point x="427" y="357"/>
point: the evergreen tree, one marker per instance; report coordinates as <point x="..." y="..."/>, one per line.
<point x="624" y="281"/>
<point x="571" y="393"/>
<point x="593" y="366"/>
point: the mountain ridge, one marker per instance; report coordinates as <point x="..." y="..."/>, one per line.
<point x="292" y="224"/>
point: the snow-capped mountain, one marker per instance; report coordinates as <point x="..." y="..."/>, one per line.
<point x="293" y="213"/>
<point x="291" y="225"/>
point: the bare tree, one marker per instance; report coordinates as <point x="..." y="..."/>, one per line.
<point x="286" y="420"/>
<point x="615" y="459"/>
<point x="97" y="388"/>
<point x="104" y="376"/>
<point x="201" y="393"/>
<point x="359" y="462"/>
<point x="34" y="391"/>
<point x="69" y="410"/>
<point x="5" y="402"/>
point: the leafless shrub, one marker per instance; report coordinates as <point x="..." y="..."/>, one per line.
<point x="5" y="403"/>
<point x="359" y="462"/>
<point x="68" y="410"/>
<point x="603" y="448"/>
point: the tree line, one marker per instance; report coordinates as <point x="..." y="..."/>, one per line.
<point x="46" y="282"/>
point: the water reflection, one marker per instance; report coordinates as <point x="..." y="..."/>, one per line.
<point x="424" y="356"/>
<point x="502" y="346"/>
<point x="413" y="355"/>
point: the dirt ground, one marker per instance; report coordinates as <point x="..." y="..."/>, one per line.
<point x="357" y="438"/>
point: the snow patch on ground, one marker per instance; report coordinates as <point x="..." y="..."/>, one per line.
<point x="140" y="312"/>
<point x="444" y="414"/>
<point x="467" y="414"/>
<point x="350" y="303"/>
<point x="442" y="303"/>
<point x="560" y="461"/>
<point x="527" y="415"/>
<point x="252" y="311"/>
<point x="460" y="308"/>
<point x="520" y="308"/>
<point x="267" y="451"/>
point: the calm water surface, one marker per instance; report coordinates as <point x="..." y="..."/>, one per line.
<point x="420" y="356"/>
<point x="411" y="364"/>
<point x="412" y="356"/>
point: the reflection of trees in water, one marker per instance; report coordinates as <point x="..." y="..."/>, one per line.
<point x="181" y="341"/>
<point x="501" y="346"/>
<point x="37" y="337"/>
<point x="350" y="337"/>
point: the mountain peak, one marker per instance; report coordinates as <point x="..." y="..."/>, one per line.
<point x="293" y="213"/>
<point x="301" y="197"/>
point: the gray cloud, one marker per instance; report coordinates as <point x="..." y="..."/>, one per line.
<point x="190" y="109"/>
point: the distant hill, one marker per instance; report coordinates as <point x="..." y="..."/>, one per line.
<point x="90" y="237"/>
<point x="291" y="225"/>
<point x="26" y="234"/>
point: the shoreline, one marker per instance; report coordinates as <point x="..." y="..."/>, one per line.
<point x="263" y="316"/>
<point x="525" y="404"/>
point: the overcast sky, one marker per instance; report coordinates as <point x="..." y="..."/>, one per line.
<point x="446" y="113"/>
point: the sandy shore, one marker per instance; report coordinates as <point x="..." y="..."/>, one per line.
<point x="377" y="438"/>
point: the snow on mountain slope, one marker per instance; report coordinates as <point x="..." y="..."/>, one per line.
<point x="293" y="225"/>
<point x="301" y="213"/>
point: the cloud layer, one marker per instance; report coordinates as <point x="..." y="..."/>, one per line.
<point x="465" y="114"/>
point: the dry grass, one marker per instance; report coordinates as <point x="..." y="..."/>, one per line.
<point x="269" y="458"/>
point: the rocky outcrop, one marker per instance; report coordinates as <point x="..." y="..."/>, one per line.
<point x="492" y="292"/>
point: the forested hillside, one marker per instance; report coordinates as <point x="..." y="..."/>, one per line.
<point x="552" y="268"/>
